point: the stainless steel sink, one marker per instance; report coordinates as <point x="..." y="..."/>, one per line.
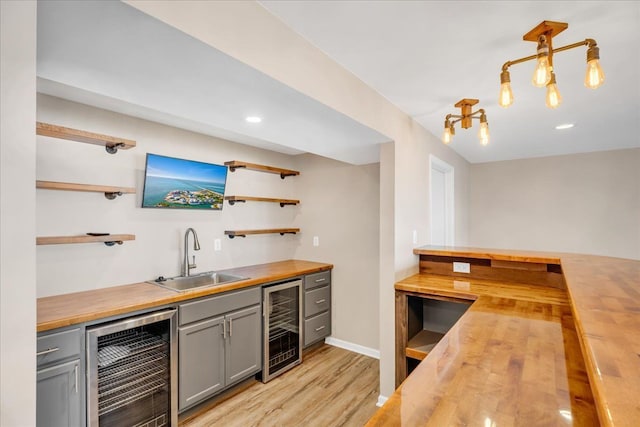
<point x="187" y="283"/>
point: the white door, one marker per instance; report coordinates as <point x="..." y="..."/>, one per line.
<point x="441" y="202"/>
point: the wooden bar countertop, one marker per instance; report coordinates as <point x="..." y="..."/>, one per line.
<point x="529" y="354"/>
<point x="69" y="309"/>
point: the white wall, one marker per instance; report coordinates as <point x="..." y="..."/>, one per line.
<point x="17" y="213"/>
<point x="584" y="203"/>
<point x="157" y="249"/>
<point x="340" y="204"/>
<point x="247" y="32"/>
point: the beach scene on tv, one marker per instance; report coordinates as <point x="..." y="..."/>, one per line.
<point x="186" y="184"/>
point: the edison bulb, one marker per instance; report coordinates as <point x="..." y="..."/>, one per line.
<point x="595" y="76"/>
<point x="446" y="136"/>
<point x="483" y="134"/>
<point x="506" y="95"/>
<point x="553" y="96"/>
<point x="542" y="73"/>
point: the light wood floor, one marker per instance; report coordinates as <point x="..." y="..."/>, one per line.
<point x="332" y="387"/>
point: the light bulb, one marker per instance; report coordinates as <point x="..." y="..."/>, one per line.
<point x="446" y="136"/>
<point x="505" y="98"/>
<point x="506" y="95"/>
<point x="483" y="134"/>
<point x="595" y="76"/>
<point x="553" y="95"/>
<point x="542" y="73"/>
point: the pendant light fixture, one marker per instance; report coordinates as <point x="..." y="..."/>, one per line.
<point x="544" y="74"/>
<point x="465" y="118"/>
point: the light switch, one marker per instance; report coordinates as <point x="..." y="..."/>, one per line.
<point x="316" y="241"/>
<point x="217" y="245"/>
<point x="414" y="236"/>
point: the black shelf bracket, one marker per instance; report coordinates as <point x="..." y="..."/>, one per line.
<point x="112" y="194"/>
<point x="113" y="148"/>
<point x="231" y="236"/>
<point x="113" y="243"/>
<point x="288" y="232"/>
<point x="233" y="202"/>
<point x="233" y="168"/>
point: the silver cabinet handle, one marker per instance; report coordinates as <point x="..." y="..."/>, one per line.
<point x="320" y="328"/>
<point x="224" y="328"/>
<point x="47" y="351"/>
<point x="230" y="327"/>
<point x="320" y="280"/>
<point x="76" y="381"/>
<point x="320" y="301"/>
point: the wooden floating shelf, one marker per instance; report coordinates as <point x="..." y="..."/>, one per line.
<point x="110" y="192"/>
<point x="244" y="233"/>
<point x="235" y="164"/>
<point x="108" y="240"/>
<point x="241" y="199"/>
<point x="110" y="143"/>
<point x="422" y="343"/>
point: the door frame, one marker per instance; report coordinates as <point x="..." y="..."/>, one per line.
<point x="449" y="206"/>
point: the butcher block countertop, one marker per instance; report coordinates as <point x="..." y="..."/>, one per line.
<point x="69" y="309"/>
<point x="528" y="354"/>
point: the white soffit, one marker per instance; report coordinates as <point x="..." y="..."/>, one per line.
<point x="112" y="56"/>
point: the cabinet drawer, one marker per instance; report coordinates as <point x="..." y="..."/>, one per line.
<point x="317" y="279"/>
<point x="58" y="346"/>
<point x="317" y="300"/>
<point x="317" y="327"/>
<point x="219" y="304"/>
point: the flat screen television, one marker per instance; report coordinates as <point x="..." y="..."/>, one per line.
<point x="183" y="184"/>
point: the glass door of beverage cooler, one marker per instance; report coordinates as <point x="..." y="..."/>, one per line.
<point x="282" y="307"/>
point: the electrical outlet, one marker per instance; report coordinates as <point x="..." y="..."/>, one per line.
<point x="316" y="241"/>
<point x="461" y="267"/>
<point x="217" y="245"/>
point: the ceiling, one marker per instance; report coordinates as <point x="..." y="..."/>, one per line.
<point x="423" y="56"/>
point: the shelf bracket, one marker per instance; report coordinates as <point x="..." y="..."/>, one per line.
<point x="112" y="194"/>
<point x="113" y="243"/>
<point x="288" y="232"/>
<point x="233" y="202"/>
<point x="283" y="204"/>
<point x="231" y="236"/>
<point x="113" y="148"/>
<point x="233" y="168"/>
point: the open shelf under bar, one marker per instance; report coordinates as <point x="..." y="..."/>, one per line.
<point x="422" y="343"/>
<point x="110" y="192"/>
<point x="283" y="202"/>
<point x="109" y="240"/>
<point x="235" y="164"/>
<point x="244" y="233"/>
<point x="111" y="143"/>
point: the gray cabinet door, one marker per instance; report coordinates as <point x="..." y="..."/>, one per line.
<point x="201" y="361"/>
<point x="243" y="355"/>
<point x="58" y="397"/>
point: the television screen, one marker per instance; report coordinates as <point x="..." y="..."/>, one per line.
<point x="183" y="184"/>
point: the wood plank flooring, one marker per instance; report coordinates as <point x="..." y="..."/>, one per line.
<point x="332" y="387"/>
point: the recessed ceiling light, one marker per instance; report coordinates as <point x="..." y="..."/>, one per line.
<point x="564" y="126"/>
<point x="253" y="119"/>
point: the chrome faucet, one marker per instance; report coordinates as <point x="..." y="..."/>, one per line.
<point x="186" y="266"/>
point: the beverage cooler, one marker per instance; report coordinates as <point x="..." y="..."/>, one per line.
<point x="282" y="310"/>
<point x="131" y="372"/>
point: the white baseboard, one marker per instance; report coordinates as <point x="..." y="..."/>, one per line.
<point x="353" y="347"/>
<point x="381" y="400"/>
